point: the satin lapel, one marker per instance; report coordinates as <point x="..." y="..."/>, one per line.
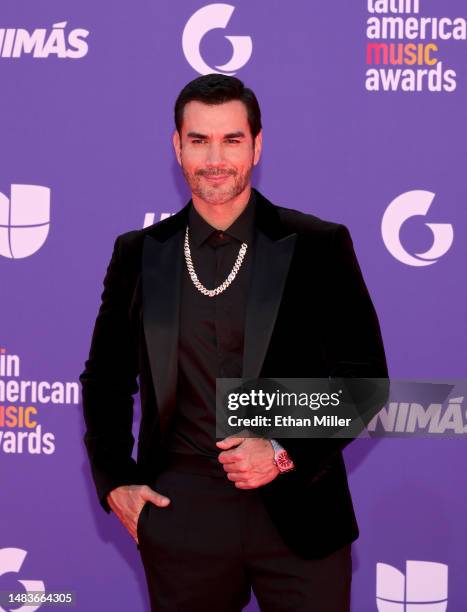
<point x="161" y="273"/>
<point x="270" y="267"/>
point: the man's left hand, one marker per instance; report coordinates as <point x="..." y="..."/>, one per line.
<point x="249" y="462"/>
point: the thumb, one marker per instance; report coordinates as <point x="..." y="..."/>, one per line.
<point x="157" y="499"/>
<point x="229" y="442"/>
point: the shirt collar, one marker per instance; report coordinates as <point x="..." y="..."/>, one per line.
<point x="241" y="228"/>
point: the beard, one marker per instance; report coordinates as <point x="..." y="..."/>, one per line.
<point x="217" y="194"/>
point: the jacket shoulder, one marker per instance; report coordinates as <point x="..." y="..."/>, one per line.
<point x="308" y="224"/>
<point x="131" y="243"/>
<point x="133" y="237"/>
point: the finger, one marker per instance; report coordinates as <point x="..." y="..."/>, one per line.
<point x="237" y="467"/>
<point x="242" y="484"/>
<point x="231" y="467"/>
<point x="156" y="498"/>
<point x="133" y="528"/>
<point x="129" y="520"/>
<point x="130" y="526"/>
<point x="237" y="476"/>
<point x="229" y="442"/>
<point x="230" y="456"/>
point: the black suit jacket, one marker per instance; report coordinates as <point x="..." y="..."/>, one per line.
<point x="308" y="315"/>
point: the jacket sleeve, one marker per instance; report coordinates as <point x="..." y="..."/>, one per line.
<point x="353" y="348"/>
<point x="109" y="382"/>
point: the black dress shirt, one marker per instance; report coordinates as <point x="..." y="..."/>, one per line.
<point x="211" y="328"/>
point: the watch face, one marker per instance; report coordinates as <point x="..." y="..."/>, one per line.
<point x="284" y="463"/>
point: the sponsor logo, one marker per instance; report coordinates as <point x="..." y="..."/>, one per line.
<point x="11" y="560"/>
<point x="207" y="18"/>
<point x="43" y="43"/>
<point x="404" y="207"/>
<point x="413" y="417"/>
<point x="24" y="220"/>
<point x="423" y="588"/>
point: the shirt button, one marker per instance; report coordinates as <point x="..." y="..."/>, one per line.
<point x="221" y="234"/>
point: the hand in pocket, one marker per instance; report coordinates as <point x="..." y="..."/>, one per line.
<point x="128" y="501"/>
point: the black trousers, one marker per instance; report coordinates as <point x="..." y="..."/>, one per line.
<point x="214" y="542"/>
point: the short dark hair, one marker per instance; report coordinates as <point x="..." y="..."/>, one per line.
<point x="218" y="89"/>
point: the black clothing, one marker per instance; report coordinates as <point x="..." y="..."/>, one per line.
<point x="213" y="543"/>
<point x="211" y="328"/>
<point x="308" y="315"/>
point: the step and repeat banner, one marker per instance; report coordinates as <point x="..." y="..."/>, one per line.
<point x="365" y="123"/>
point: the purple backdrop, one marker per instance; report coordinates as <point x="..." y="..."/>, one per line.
<point x="86" y="111"/>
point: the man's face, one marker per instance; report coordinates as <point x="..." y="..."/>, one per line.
<point x="216" y="150"/>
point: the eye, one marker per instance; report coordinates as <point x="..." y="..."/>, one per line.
<point x="197" y="140"/>
<point x="233" y="140"/>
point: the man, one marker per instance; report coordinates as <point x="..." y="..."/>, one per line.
<point x="230" y="286"/>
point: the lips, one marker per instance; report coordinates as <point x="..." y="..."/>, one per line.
<point x="218" y="178"/>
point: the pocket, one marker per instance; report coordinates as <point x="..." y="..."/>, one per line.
<point x="139" y="522"/>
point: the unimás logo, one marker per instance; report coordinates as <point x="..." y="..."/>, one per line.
<point x="414" y="418"/>
<point x="11" y="560"/>
<point x="207" y="18"/>
<point x="424" y="588"/>
<point x="406" y="206"/>
<point x="24" y="220"/>
<point x="42" y="43"/>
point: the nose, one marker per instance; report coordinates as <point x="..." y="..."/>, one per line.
<point x="214" y="154"/>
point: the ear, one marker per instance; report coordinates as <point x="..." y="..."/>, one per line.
<point x="177" y="146"/>
<point x="258" y="144"/>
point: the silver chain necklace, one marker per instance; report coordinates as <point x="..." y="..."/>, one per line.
<point x="223" y="286"/>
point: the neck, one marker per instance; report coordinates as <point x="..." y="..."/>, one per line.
<point x="221" y="215"/>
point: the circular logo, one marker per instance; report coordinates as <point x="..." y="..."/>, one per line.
<point x="212" y="17"/>
<point x="407" y="205"/>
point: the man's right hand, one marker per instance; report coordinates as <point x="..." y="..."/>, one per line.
<point x="127" y="502"/>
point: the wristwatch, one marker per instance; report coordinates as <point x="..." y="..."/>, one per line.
<point x="281" y="458"/>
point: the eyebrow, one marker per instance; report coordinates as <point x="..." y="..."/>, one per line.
<point x="238" y="134"/>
